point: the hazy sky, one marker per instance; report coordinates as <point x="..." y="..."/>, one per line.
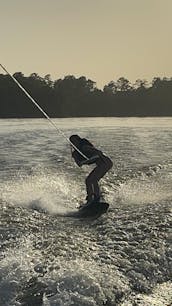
<point x="100" y="39"/>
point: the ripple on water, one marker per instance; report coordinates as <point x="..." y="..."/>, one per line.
<point x="104" y="262"/>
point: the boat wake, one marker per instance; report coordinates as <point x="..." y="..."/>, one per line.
<point x="122" y="258"/>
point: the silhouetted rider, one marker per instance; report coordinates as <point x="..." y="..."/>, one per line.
<point x="95" y="156"/>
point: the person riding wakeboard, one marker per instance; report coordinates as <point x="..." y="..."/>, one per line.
<point x="94" y="156"/>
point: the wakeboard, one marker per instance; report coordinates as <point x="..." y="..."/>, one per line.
<point x="87" y="211"/>
<point x="90" y="210"/>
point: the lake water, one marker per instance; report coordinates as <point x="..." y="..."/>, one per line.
<point x="124" y="257"/>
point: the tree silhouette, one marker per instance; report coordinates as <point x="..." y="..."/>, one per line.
<point x="79" y="97"/>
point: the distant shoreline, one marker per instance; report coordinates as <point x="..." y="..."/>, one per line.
<point x="160" y="116"/>
<point x="73" y="97"/>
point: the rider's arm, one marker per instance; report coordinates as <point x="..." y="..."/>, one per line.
<point x="89" y="161"/>
<point x="75" y="155"/>
<point x="94" y="154"/>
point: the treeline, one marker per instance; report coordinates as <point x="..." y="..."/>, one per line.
<point x="79" y="97"/>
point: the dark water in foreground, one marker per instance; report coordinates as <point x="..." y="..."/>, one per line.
<point x="122" y="258"/>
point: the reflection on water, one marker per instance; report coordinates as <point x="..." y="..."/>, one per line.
<point x="122" y="258"/>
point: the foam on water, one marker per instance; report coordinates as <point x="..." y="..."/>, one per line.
<point x="64" y="282"/>
<point x="122" y="258"/>
<point x="53" y="193"/>
<point x="58" y="192"/>
<point x="105" y="262"/>
<point x="141" y="192"/>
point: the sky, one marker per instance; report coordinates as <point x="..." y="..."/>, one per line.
<point x="99" y="39"/>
